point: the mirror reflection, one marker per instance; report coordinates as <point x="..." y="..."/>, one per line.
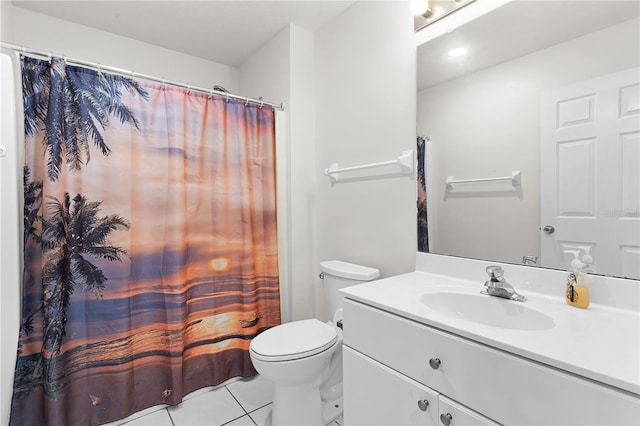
<point x="550" y="92"/>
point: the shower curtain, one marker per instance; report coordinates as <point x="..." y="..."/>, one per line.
<point x="423" y="230"/>
<point x="150" y="250"/>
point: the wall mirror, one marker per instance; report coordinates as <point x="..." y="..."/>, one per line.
<point x="546" y="93"/>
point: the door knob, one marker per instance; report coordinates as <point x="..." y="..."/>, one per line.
<point x="423" y="404"/>
<point x="549" y="229"/>
<point x="446" y="419"/>
<point x="435" y="363"/>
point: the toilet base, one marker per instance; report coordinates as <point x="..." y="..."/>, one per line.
<point x="291" y="407"/>
<point x="331" y="410"/>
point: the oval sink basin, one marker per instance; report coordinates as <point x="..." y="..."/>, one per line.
<point x="487" y="310"/>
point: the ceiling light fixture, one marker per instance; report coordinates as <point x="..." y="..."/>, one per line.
<point x="418" y="7"/>
<point x="429" y="11"/>
<point x="458" y="51"/>
<point x="437" y="11"/>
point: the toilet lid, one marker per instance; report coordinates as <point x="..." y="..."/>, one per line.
<point x="294" y="340"/>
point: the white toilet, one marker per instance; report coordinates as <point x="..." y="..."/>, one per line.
<point x="303" y="359"/>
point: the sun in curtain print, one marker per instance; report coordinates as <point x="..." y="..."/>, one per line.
<point x="148" y="267"/>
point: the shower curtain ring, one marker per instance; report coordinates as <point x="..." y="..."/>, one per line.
<point x="261" y="102"/>
<point x="246" y="101"/>
<point x="226" y="97"/>
<point x="49" y="56"/>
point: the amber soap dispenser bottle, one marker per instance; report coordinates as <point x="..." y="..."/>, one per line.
<point x="577" y="289"/>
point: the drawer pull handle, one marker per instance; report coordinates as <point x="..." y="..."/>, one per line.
<point x="423" y="404"/>
<point x="446" y="419"/>
<point x="435" y="363"/>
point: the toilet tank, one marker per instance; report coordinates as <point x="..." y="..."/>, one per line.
<point x="337" y="275"/>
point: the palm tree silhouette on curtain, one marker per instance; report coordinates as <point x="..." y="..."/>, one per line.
<point x="70" y="235"/>
<point x="32" y="203"/>
<point x="72" y="107"/>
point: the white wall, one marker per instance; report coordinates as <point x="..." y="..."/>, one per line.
<point x="10" y="256"/>
<point x="6" y="21"/>
<point x="10" y="236"/>
<point x="377" y="34"/>
<point x="282" y="70"/>
<point x="267" y="72"/>
<point x="487" y="124"/>
<point x="366" y="112"/>
<point x="43" y="32"/>
<point x="305" y="298"/>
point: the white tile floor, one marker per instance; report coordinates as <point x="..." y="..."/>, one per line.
<point x="245" y="402"/>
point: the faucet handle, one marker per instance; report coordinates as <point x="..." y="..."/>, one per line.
<point x="495" y="272"/>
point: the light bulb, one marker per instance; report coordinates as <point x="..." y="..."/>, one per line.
<point x="437" y="11"/>
<point x="418" y="7"/>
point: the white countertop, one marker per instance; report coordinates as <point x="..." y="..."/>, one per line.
<point x="601" y="343"/>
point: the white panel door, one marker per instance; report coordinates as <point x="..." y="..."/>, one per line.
<point x="590" y="173"/>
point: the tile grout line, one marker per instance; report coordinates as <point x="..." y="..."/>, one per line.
<point x="262" y="406"/>
<point x="236" y="399"/>
<point x="170" y="418"/>
<point x="246" y="413"/>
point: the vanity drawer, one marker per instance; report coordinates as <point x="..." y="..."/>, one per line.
<point x="377" y="395"/>
<point x="502" y="386"/>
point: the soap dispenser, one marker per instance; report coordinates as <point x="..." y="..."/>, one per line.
<point x="587" y="260"/>
<point x="577" y="290"/>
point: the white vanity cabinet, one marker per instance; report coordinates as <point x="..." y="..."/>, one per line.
<point x="377" y="395"/>
<point x="454" y="414"/>
<point x="390" y="358"/>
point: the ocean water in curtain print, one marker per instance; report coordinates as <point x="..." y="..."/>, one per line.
<point x="150" y="243"/>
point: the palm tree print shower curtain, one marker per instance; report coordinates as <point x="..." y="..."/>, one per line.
<point x="150" y="250"/>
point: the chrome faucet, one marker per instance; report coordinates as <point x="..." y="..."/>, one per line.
<point x="497" y="286"/>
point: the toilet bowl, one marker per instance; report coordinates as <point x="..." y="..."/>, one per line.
<point x="303" y="359"/>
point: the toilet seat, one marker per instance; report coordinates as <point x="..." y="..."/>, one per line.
<point x="294" y="340"/>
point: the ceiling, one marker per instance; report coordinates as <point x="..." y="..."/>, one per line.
<point x="227" y="32"/>
<point x="514" y="30"/>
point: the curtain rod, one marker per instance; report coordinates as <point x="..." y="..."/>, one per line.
<point x="99" y="67"/>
